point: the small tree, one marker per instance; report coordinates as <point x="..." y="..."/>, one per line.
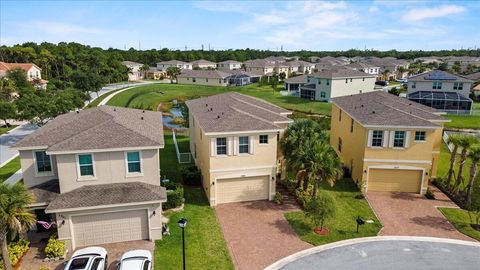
<point x="7" y="111"/>
<point x="173" y="72"/>
<point x="282" y="76"/>
<point x="274" y="82"/>
<point x="320" y="209"/>
<point x="466" y="141"/>
<point x="452" y="139"/>
<point x="474" y="156"/>
<point x="144" y="69"/>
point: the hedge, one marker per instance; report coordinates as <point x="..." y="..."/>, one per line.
<point x="55" y="248"/>
<point x="174" y="195"/>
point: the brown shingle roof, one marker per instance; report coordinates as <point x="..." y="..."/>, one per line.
<point x="340" y="73"/>
<point x="438" y="73"/>
<point x="103" y="127"/>
<point x="297" y="79"/>
<point x="209" y="74"/>
<point x="378" y="108"/>
<point x="108" y="194"/>
<point x="232" y="112"/>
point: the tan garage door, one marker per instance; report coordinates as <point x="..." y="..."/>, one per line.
<point x="110" y="227"/>
<point x="242" y="189"/>
<point x="394" y="180"/>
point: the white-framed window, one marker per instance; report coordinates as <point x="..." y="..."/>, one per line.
<point x="134" y="163"/>
<point x="43" y="162"/>
<point x="458" y="86"/>
<point x="377" y="138"/>
<point x="85" y="165"/>
<point x="414" y="85"/>
<point x="263" y="139"/>
<point x="221" y="146"/>
<point x="420" y="136"/>
<point x="399" y="138"/>
<point x="437" y="85"/>
<point x="323" y="94"/>
<point x="243" y="145"/>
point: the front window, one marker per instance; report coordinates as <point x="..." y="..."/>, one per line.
<point x="221" y="146"/>
<point x="43" y="161"/>
<point x="377" y="138"/>
<point x="419" y="136"/>
<point x="323" y="94"/>
<point x="414" y="85"/>
<point x="133" y="162"/>
<point x="263" y="139"/>
<point x="437" y="85"/>
<point x="243" y="146"/>
<point x="458" y="86"/>
<point x="399" y="139"/>
<point x="85" y="163"/>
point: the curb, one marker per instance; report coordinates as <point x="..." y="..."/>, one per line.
<point x="283" y="262"/>
<point x="8" y="160"/>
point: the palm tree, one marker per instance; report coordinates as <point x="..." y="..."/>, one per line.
<point x="465" y="142"/>
<point x="474" y="155"/>
<point x="173" y="72"/>
<point x="452" y="139"/>
<point x="14" y="217"/>
<point x="144" y="70"/>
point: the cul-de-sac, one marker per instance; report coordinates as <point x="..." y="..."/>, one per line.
<point x="247" y="135"/>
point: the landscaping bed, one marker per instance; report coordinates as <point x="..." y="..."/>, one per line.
<point x="460" y="219"/>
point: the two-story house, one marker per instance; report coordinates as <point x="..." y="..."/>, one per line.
<point x="173" y="63"/>
<point x="204" y="77"/>
<point x="34" y="73"/>
<point x="441" y="90"/>
<point x="336" y="82"/>
<point x="203" y="64"/>
<point x="234" y="140"/>
<point x="367" y="68"/>
<point x="260" y="67"/>
<point x="386" y="142"/>
<point x="229" y="65"/>
<point x="96" y="173"/>
<point x="135" y="73"/>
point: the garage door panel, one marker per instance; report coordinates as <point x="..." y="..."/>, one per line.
<point x="394" y="180"/>
<point x="110" y="227"/>
<point x="242" y="189"/>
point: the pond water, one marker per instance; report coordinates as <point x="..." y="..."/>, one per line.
<point x="167" y="120"/>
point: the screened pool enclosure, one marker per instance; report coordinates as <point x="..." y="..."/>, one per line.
<point x="449" y="102"/>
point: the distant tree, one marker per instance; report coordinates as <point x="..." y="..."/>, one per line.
<point x="274" y="82"/>
<point x="173" y="72"/>
<point x="385" y="74"/>
<point x="474" y="155"/>
<point x="144" y="69"/>
<point x="7" y="111"/>
<point x="7" y="89"/>
<point x="443" y="67"/>
<point x="184" y="110"/>
<point x="87" y="82"/>
<point x="35" y="107"/>
<point x="19" y="78"/>
<point x="282" y="76"/>
<point x="457" y="67"/>
<point x="320" y="209"/>
<point x="394" y="91"/>
<point x="452" y="140"/>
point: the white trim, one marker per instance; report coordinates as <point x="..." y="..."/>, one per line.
<point x="40" y="147"/>
<point x="240" y="132"/>
<point x="242" y="169"/>
<point x="235" y="146"/>
<point x="400" y="127"/>
<point x="106" y="150"/>
<point x="133" y="174"/>
<point x="369" y="138"/>
<point x="397" y="161"/>
<point x="86" y="177"/>
<point x="385" y="138"/>
<point x="407" y="139"/>
<point x="41" y="174"/>
<point x="396" y="167"/>
<point x="103" y="206"/>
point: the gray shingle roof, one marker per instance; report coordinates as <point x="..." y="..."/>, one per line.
<point x="172" y="62"/>
<point x="340" y="73"/>
<point x="45" y="192"/>
<point x="424" y="77"/>
<point x="102" y="127"/>
<point x="131" y="63"/>
<point x="203" y="62"/>
<point x="108" y="194"/>
<point x="209" y="74"/>
<point x="297" y="79"/>
<point x="232" y="112"/>
<point x="230" y="62"/>
<point x="378" y="108"/>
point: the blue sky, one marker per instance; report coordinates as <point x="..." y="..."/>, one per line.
<point x="295" y="25"/>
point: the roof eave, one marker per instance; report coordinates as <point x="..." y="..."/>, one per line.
<point x="48" y="211"/>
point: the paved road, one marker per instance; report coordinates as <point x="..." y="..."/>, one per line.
<point x="392" y="255"/>
<point x="7" y="140"/>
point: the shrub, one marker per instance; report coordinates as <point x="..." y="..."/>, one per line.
<point x="360" y="196"/>
<point x="429" y="194"/>
<point x="174" y="196"/>
<point x="320" y="209"/>
<point x="16" y="250"/>
<point x="290" y="184"/>
<point x="55" y="248"/>
<point x="191" y="175"/>
<point x="278" y="199"/>
<point x="302" y="197"/>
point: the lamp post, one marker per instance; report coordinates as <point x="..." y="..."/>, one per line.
<point x="183" y="223"/>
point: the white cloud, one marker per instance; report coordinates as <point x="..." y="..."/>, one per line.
<point x="419" y="14"/>
<point x="373" y="9"/>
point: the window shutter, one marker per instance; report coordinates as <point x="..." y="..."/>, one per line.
<point x="370" y="134"/>
<point x="390" y="141"/>
<point x="235" y="146"/>
<point x="250" y="144"/>
<point x="213" y="143"/>
<point x="407" y="139"/>
<point x="229" y="145"/>
<point x="385" y="138"/>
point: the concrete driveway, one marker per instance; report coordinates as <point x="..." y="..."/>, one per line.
<point x="414" y="215"/>
<point x="257" y="233"/>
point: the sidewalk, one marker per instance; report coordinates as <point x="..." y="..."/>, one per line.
<point x="9" y="139"/>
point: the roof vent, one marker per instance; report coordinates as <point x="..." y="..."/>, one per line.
<point x="361" y="105"/>
<point x="141" y="118"/>
<point x="78" y="111"/>
<point x="373" y="112"/>
<point x="143" y="111"/>
<point x="218" y="116"/>
<point x="206" y="105"/>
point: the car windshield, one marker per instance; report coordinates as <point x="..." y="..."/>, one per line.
<point x="132" y="263"/>
<point x="79" y="263"/>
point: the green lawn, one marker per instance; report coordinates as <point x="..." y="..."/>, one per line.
<point x="463" y="121"/>
<point x="461" y="221"/>
<point x="9" y="169"/>
<point x="343" y="226"/>
<point x="149" y="96"/>
<point x="100" y="98"/>
<point x="476" y="105"/>
<point x="4" y="130"/>
<point x="205" y="245"/>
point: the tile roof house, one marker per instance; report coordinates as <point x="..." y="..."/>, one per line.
<point x="203" y="64"/>
<point x="386" y="142"/>
<point x="365" y="67"/>
<point x="441" y="90"/>
<point x="34" y="73"/>
<point x="234" y="141"/>
<point x="96" y="173"/>
<point x="336" y="82"/>
<point x="135" y="73"/>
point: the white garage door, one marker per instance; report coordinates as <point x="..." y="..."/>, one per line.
<point x="242" y="189"/>
<point x="110" y="227"/>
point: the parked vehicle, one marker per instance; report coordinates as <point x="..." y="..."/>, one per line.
<point x="91" y="258"/>
<point x="382" y="83"/>
<point x="136" y="260"/>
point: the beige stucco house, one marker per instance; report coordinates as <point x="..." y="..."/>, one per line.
<point x="96" y="173"/>
<point x="203" y="64"/>
<point x="34" y="73"/>
<point x="234" y="141"/>
<point x="229" y="65"/>
<point x="173" y="63"/>
<point x="204" y="77"/>
<point x="135" y="72"/>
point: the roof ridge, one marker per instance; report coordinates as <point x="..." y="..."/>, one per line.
<point x="256" y="106"/>
<point x="254" y="116"/>
<point x="258" y="99"/>
<point x="404" y="112"/>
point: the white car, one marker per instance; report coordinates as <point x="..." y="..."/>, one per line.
<point x="136" y="260"/>
<point x="91" y="258"/>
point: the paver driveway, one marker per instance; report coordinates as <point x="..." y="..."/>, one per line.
<point x="414" y="215"/>
<point x="257" y="233"/>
